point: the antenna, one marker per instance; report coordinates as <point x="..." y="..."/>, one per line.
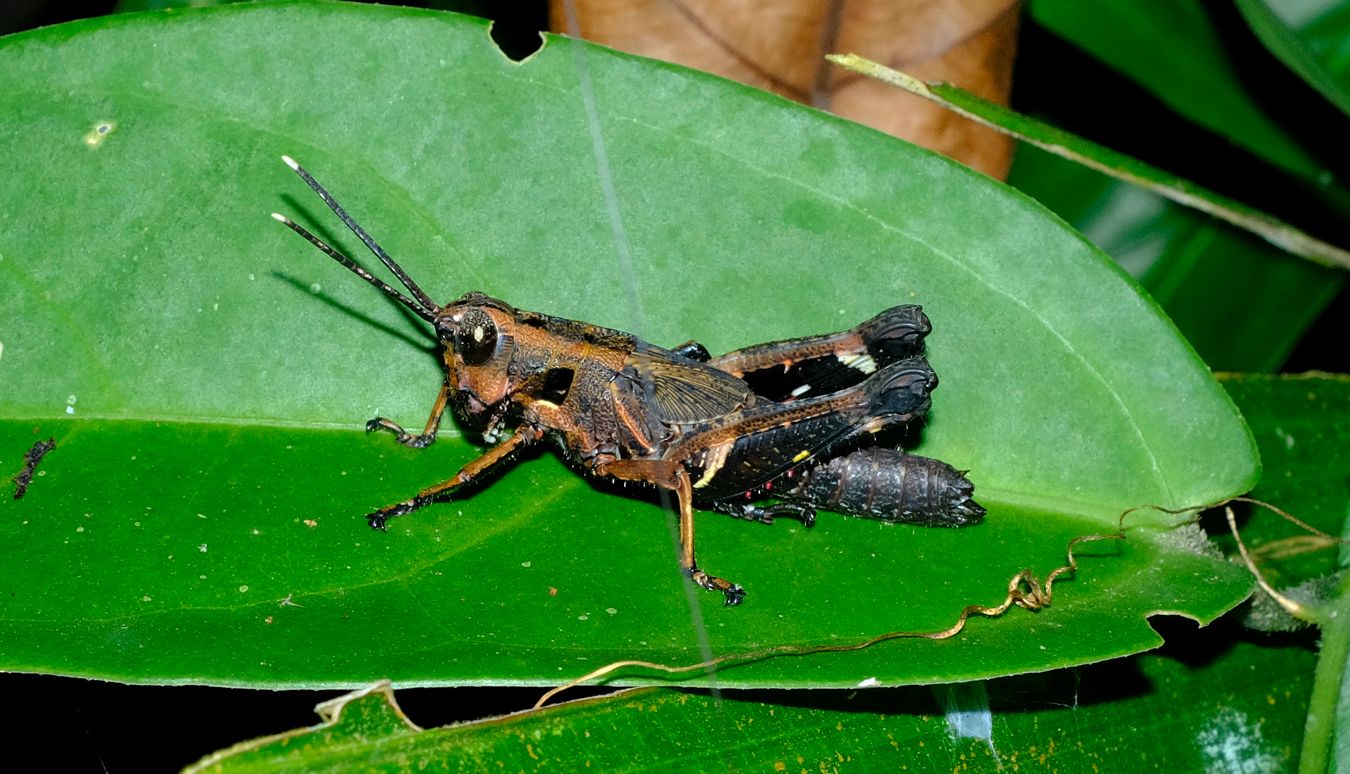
<point x="423" y="305"/>
<point x="426" y="314"/>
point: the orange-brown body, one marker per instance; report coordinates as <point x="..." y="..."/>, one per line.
<point x="713" y="431"/>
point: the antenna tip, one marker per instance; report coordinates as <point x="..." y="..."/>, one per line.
<point x="280" y="217"/>
<point x="290" y="162"/>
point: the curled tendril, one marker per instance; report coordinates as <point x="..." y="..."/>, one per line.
<point x="1025" y="590"/>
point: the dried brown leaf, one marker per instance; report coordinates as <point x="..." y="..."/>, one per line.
<point x="780" y="47"/>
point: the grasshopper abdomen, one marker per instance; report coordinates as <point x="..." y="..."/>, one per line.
<point x="889" y="485"/>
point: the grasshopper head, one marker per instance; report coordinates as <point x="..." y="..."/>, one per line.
<point x="476" y="330"/>
<point x="478" y="333"/>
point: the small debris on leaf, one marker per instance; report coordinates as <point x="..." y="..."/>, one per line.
<point x="31" y="458"/>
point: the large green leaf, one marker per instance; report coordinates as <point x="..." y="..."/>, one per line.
<point x="1219" y="699"/>
<point x="206" y="374"/>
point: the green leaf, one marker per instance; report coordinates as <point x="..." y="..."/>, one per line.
<point x="206" y="374"/>
<point x="1236" y="298"/>
<point x="1105" y="160"/>
<point x="1309" y="37"/>
<point x="1217" y="699"/>
<point x="357" y="727"/>
<point x="126" y="6"/>
<point x="1251" y="716"/>
<point x="1173" y="49"/>
<point x="1303" y="424"/>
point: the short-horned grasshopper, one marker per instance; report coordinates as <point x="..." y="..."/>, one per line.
<point x="789" y="419"/>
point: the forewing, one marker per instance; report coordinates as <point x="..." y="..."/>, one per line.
<point x="681" y="391"/>
<point x="768" y="440"/>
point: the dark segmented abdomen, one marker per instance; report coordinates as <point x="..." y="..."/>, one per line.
<point x="889" y="485"/>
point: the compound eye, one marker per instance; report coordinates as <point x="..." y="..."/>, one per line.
<point x="476" y="339"/>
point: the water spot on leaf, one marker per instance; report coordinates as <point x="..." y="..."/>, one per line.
<point x="94" y="138"/>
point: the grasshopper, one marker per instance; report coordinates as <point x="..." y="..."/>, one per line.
<point x="792" y="420"/>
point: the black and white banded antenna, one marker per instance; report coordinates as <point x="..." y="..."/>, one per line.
<point x="420" y="304"/>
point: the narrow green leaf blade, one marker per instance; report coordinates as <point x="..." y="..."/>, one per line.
<point x="1309" y="37"/>
<point x="1107" y="161"/>
<point x="1237" y="298"/>
<point x="1173" y="49"/>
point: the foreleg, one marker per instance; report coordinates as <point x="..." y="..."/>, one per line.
<point x="524" y="436"/>
<point x="428" y="433"/>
